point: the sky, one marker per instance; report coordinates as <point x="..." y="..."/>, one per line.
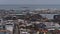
<point x="29" y="1"/>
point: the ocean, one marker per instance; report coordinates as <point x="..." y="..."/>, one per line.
<point x="28" y="6"/>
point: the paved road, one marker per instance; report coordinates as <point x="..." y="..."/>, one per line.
<point x="16" y="30"/>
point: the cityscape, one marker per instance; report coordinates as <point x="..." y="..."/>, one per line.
<point x="43" y="21"/>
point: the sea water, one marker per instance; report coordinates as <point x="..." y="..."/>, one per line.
<point x="28" y="6"/>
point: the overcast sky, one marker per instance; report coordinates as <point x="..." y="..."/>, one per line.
<point x="29" y="1"/>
